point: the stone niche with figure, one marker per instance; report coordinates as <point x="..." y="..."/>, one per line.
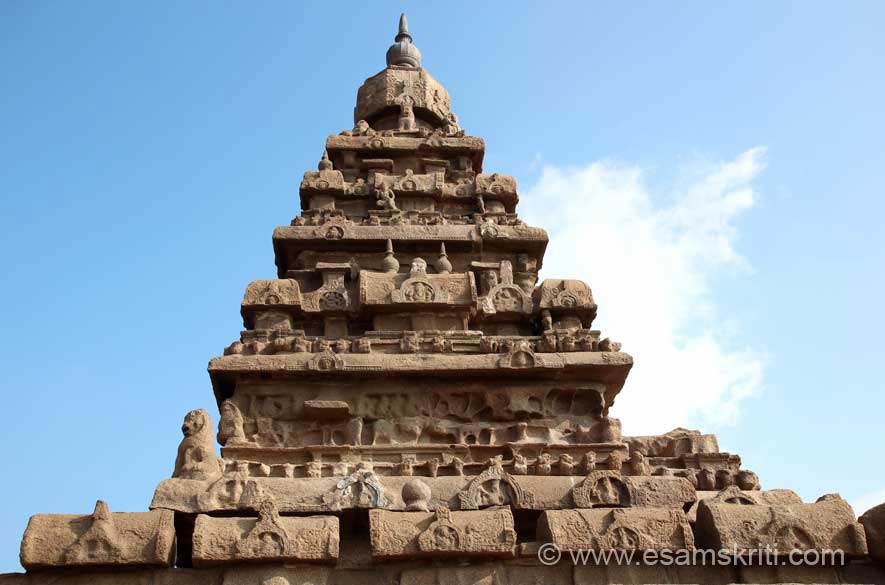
<point x="408" y="403"/>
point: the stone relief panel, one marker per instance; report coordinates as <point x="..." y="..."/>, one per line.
<point x="828" y="524"/>
<point x="494" y="487"/>
<point x="268" y="538"/>
<point x="102" y="539"/>
<point x="268" y="293"/>
<point x="441" y="533"/>
<point x="623" y="529"/>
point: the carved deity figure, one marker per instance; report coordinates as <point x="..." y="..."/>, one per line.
<point x="406" y="113"/>
<point x="589" y="462"/>
<point x="546" y="321"/>
<point x="451" y="127"/>
<point x="543" y="464"/>
<point x="615" y="461"/>
<point x="520" y="466"/>
<point x="489" y="280"/>
<point x="230" y="427"/>
<point x="196" y="453"/>
<point x="386" y="198"/>
<point x="639" y="464"/>
<point x="419" y="268"/>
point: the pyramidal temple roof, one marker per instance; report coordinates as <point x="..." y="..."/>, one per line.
<point x="409" y="403"/>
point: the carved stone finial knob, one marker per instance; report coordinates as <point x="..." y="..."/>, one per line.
<point x="101" y="511"/>
<point x="325" y="163"/>
<point x="443" y="265"/>
<point x="389" y="263"/>
<point x="402" y="52"/>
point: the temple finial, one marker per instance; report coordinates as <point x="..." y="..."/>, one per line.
<point x="325" y="163"/>
<point x="389" y="263"/>
<point x="402" y="52"/>
<point x="403" y="29"/>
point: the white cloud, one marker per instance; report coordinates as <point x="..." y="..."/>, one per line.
<point x="867" y="501"/>
<point x="649" y="253"/>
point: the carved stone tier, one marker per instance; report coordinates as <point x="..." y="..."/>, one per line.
<point x="425" y="460"/>
<point x="298" y="247"/>
<point x="603" y="372"/>
<point x="347" y="152"/>
<point x="362" y="488"/>
<point x="434" y="187"/>
<point x="828" y="524"/>
<point x="99" y="540"/>
<point x="382" y="95"/>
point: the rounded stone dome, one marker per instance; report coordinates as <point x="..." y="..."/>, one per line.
<point x="416" y="495"/>
<point x="403" y="52"/>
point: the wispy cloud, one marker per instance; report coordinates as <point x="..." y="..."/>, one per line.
<point x="867" y="501"/>
<point x="649" y="252"/>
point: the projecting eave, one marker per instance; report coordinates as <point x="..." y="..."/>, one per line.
<point x="608" y="368"/>
<point x="290" y="241"/>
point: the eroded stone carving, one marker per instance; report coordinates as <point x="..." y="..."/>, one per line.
<point x="624" y="529"/>
<point x="494" y="487"/>
<point x="272" y="293"/>
<point x="267" y="538"/>
<point x="827" y="524"/>
<point x="230" y="426"/>
<point x="102" y="539"/>
<point x="442" y="533"/>
<point x="361" y="489"/>
<point x="196" y="453"/>
<point x="603" y="488"/>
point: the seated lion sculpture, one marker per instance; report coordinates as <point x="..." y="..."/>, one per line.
<point x="196" y="453"/>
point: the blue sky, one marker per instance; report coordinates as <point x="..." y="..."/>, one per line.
<point x="731" y="154"/>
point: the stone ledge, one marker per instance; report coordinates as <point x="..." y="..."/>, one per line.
<point x="364" y="489"/>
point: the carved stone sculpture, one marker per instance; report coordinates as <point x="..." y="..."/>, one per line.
<point x="99" y="540"/>
<point x="828" y="524"/>
<point x="196" y="453"/>
<point x="624" y="529"/>
<point x="268" y="538"/>
<point x="442" y="533"/>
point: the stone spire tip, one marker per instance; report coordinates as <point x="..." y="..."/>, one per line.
<point x="402" y="52"/>
<point x="403" y="29"/>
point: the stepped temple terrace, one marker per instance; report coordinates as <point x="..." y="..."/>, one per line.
<point x="410" y="404"/>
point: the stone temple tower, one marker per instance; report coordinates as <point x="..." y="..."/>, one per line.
<point x="410" y="404"/>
